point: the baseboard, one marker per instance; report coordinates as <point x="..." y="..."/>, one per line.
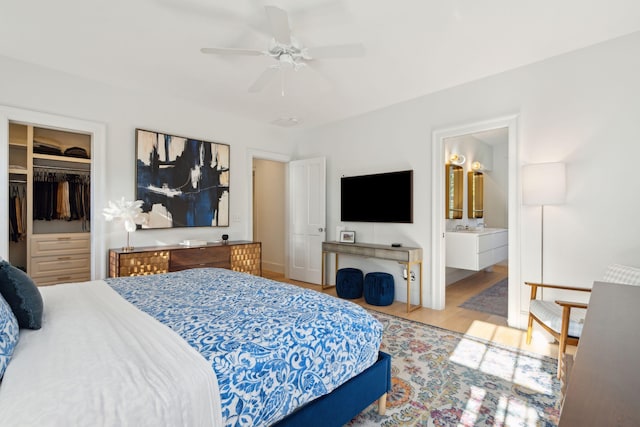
<point x="273" y="266"/>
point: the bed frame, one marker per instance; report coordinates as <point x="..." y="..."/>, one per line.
<point x="344" y="403"/>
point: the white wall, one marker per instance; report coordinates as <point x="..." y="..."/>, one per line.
<point x="580" y="108"/>
<point x="30" y="87"/>
<point x="496" y="186"/>
<point x="269" y="212"/>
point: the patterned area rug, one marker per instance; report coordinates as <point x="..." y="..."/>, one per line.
<point x="492" y="300"/>
<point x="443" y="378"/>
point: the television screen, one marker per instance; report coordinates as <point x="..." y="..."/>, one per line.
<point x="383" y="197"/>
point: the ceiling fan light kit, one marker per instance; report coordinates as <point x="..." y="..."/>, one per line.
<point x="286" y="50"/>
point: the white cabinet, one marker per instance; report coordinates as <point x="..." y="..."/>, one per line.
<point x="470" y="250"/>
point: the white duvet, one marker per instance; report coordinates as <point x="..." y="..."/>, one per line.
<point x="99" y="361"/>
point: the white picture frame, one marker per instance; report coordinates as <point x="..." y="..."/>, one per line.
<point x="347" y="236"/>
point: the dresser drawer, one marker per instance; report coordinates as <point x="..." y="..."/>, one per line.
<point x="138" y="263"/>
<point x="221" y="264"/>
<point x="214" y="256"/>
<point x="54" y="279"/>
<point x="247" y="258"/>
<point x="55" y="244"/>
<point x="61" y="265"/>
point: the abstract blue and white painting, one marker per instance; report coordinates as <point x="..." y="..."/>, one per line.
<point x="183" y="182"/>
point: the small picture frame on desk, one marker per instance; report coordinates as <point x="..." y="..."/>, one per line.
<point x="347" y="237"/>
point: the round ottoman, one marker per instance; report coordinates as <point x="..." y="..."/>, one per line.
<point x="349" y="283"/>
<point x="379" y="288"/>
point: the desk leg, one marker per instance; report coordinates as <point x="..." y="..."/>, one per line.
<point x="322" y="282"/>
<point x="411" y="308"/>
<point x="420" y="283"/>
<point x="324" y="254"/>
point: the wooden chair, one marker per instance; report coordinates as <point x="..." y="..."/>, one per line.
<point x="555" y="316"/>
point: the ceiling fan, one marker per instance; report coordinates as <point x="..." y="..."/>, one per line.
<point x="286" y="49"/>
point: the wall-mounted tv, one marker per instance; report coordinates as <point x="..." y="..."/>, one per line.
<point x="382" y="197"/>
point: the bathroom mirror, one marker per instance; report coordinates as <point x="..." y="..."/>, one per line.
<point x="453" y="190"/>
<point x="475" y="192"/>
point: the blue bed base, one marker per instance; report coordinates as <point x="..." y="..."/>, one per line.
<point x="344" y="403"/>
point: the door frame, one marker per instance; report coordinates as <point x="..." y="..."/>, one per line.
<point x="255" y="154"/>
<point x="438" y="223"/>
<point x="98" y="171"/>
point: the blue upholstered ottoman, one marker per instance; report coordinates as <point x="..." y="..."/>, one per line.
<point x="379" y="288"/>
<point x="349" y="283"/>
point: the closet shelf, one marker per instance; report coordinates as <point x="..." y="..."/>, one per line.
<point x="61" y="158"/>
<point x="17" y="171"/>
<point x="18" y="143"/>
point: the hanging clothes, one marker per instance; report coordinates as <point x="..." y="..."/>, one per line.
<point x="60" y="195"/>
<point x="17" y="215"/>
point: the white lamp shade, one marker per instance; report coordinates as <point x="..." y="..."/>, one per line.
<point x="544" y="184"/>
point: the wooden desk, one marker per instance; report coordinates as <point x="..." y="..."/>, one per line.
<point x="605" y="378"/>
<point x="403" y="255"/>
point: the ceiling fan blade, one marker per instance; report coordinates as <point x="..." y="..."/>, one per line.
<point x="264" y="79"/>
<point x="232" y="51"/>
<point x="337" y="51"/>
<point x="279" y="22"/>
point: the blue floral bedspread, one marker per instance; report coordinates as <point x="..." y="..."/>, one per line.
<point x="273" y="346"/>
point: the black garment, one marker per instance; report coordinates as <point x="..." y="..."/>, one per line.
<point x="47" y="149"/>
<point x="13" y="219"/>
<point x="76" y="152"/>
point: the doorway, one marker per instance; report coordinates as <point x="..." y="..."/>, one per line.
<point x="278" y="159"/>
<point x="269" y="207"/>
<point x="439" y="225"/>
<point x="97" y="132"/>
<point x="476" y="254"/>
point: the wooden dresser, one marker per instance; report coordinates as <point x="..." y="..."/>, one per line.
<point x="60" y="258"/>
<point x="241" y="256"/>
<point x="605" y="378"/>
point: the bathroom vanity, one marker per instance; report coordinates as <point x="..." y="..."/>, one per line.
<point x="476" y="249"/>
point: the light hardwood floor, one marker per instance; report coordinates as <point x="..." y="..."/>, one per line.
<point x="475" y="323"/>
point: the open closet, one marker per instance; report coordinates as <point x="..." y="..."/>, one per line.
<point x="50" y="203"/>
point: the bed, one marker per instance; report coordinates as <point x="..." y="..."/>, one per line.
<point x="197" y="347"/>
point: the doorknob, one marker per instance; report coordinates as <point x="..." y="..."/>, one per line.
<point x="321" y="229"/>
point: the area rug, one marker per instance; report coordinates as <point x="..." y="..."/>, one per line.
<point x="443" y="378"/>
<point x="492" y="300"/>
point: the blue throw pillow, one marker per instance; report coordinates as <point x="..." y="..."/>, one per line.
<point x="22" y="295"/>
<point x="8" y="334"/>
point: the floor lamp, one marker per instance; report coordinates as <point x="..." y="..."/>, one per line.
<point x="543" y="184"/>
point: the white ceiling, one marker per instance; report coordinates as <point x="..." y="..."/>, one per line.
<point x="413" y="47"/>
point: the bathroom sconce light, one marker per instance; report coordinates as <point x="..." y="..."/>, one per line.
<point x="457" y="159"/>
<point x="477" y="166"/>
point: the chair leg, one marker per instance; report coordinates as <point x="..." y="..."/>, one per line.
<point x="564" y="333"/>
<point x="529" y="329"/>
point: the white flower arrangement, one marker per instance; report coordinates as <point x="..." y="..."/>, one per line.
<point x="129" y="213"/>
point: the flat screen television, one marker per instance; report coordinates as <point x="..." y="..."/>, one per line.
<point x="382" y="197"/>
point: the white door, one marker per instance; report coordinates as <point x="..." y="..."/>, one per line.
<point x="307" y="216"/>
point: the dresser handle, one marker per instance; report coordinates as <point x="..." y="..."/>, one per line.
<point x="64" y="258"/>
<point x="64" y="278"/>
<point x="64" y="238"/>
